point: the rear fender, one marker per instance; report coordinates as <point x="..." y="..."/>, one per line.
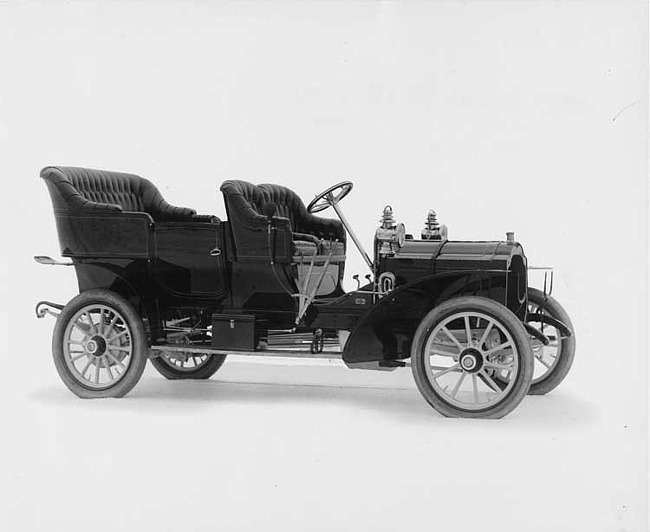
<point x="129" y="278"/>
<point x="386" y="331"/>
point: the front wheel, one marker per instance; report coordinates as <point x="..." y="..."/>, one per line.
<point x="553" y="361"/>
<point x="99" y="345"/>
<point x="458" y="349"/>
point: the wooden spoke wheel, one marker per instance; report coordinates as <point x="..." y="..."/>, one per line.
<point x="456" y="350"/>
<point x="99" y="345"/>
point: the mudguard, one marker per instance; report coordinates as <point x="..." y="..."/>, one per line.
<point x="386" y="331"/>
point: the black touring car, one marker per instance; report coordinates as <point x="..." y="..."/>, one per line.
<point x="184" y="290"/>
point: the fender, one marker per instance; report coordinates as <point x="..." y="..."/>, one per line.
<point x="386" y="331"/>
<point x="549" y="320"/>
<point x="121" y="276"/>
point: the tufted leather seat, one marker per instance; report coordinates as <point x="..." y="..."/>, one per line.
<point x="311" y="236"/>
<point x="83" y="190"/>
<point x="305" y="225"/>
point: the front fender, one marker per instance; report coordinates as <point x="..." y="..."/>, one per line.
<point x="386" y="331"/>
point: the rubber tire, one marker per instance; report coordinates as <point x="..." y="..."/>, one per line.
<point x="138" y="337"/>
<point x="204" y="372"/>
<point x="567" y="347"/>
<point x="519" y="336"/>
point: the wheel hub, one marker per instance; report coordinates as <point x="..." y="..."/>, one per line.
<point x="96" y="346"/>
<point x="471" y="360"/>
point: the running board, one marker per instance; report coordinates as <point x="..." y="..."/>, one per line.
<point x="157" y="350"/>
<point x="280" y="353"/>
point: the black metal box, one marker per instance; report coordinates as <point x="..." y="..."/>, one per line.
<point x="233" y="331"/>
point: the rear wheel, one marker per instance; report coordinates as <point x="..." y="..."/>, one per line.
<point x="99" y="345"/>
<point x="459" y="346"/>
<point x="185" y="365"/>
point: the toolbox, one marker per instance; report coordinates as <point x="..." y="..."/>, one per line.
<point x="233" y="331"/>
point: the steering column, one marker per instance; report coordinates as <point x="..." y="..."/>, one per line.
<point x="331" y="198"/>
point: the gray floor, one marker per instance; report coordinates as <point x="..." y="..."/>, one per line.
<point x="302" y="446"/>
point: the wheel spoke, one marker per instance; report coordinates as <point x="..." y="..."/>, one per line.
<point x="119" y="348"/>
<point x="491" y="383"/>
<point x="112" y="322"/>
<point x="443" y="353"/>
<point x="80" y="325"/>
<point x="100" y="325"/>
<point x="539" y="359"/>
<point x="119" y="335"/>
<point x="456" y="388"/>
<point x="108" y="368"/>
<point x="549" y="354"/>
<point x="499" y="367"/>
<point x="452" y="338"/>
<point x="497" y="348"/>
<point x="468" y="332"/>
<point x="97" y="368"/>
<point x="475" y="387"/>
<point x="77" y="357"/>
<point x="118" y="362"/>
<point x="455" y="367"/>
<point x="485" y="334"/>
<point x="90" y="322"/>
<point x="83" y="372"/>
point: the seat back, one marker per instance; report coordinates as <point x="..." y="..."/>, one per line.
<point x="288" y="204"/>
<point x="242" y="198"/>
<point x="75" y="190"/>
<point x="301" y="242"/>
<point x="244" y="205"/>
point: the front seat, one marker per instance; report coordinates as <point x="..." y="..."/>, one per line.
<point x="302" y="237"/>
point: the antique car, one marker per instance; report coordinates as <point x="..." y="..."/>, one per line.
<point x="184" y="290"/>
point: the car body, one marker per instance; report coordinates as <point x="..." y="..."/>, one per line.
<point x="268" y="281"/>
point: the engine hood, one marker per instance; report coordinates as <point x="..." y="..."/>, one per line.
<point x="417" y="258"/>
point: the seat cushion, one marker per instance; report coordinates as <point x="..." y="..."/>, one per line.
<point x="327" y="245"/>
<point x="302" y="248"/>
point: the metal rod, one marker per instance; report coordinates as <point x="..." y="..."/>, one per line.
<point x="348" y="227"/>
<point x="42" y="310"/>
<point x="310" y="297"/>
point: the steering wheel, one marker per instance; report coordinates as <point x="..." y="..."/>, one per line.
<point x="330" y="197"/>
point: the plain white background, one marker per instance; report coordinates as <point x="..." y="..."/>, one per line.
<point x="502" y="116"/>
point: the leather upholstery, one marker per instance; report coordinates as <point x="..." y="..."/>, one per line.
<point x="304" y="237"/>
<point x="245" y="201"/>
<point x="304" y="248"/>
<point x="289" y="205"/>
<point x="84" y="190"/>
